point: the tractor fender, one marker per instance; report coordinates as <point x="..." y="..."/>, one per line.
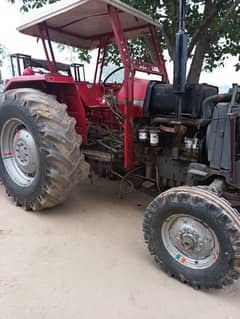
<point x="65" y="90"/>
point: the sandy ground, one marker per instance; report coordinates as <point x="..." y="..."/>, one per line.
<point x="87" y="259"/>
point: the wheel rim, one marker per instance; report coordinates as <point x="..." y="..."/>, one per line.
<point x="19" y="152"/>
<point x="190" y="241"/>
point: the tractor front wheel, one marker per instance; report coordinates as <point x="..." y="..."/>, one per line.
<point x="195" y="236"/>
<point x="39" y="149"/>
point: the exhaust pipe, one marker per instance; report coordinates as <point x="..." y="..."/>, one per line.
<point x="180" y="59"/>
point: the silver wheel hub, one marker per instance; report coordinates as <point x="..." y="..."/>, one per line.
<point x="25" y="151"/>
<point x="190" y="241"/>
<point x="19" y="152"/>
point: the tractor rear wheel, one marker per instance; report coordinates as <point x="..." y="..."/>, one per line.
<point x="195" y="236"/>
<point x="39" y="147"/>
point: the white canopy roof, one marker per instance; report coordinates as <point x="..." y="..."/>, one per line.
<point x="81" y="23"/>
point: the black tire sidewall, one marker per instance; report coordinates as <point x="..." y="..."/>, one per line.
<point x="208" y="213"/>
<point x="16" y="109"/>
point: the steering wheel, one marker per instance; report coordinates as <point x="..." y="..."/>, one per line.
<point x="111" y="73"/>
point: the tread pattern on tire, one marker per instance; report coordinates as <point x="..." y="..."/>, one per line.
<point x="230" y="219"/>
<point x="59" y="141"/>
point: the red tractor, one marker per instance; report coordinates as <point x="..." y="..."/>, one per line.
<point x="183" y="140"/>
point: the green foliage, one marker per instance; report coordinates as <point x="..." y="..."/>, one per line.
<point x="27" y="5"/>
<point x="82" y="54"/>
<point x="2" y="50"/>
<point x="3" y="55"/>
<point x="217" y="20"/>
<point x="138" y="48"/>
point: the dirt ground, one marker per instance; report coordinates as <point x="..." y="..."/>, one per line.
<point x="87" y="259"/>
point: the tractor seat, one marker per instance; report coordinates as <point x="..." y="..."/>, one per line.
<point x="91" y="94"/>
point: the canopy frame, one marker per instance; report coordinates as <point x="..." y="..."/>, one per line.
<point x="130" y="66"/>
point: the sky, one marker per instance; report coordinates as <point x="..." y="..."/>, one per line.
<point x="10" y="18"/>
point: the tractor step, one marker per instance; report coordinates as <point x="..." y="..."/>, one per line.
<point x="98" y="155"/>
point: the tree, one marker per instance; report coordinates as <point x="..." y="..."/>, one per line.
<point x="3" y="54"/>
<point x="1" y="60"/>
<point x="213" y="27"/>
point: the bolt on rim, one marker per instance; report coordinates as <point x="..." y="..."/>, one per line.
<point x="190" y="241"/>
<point x="19" y="152"/>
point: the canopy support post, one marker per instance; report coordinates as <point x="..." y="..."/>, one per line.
<point x="100" y="58"/>
<point x="44" y="34"/>
<point x="158" y="54"/>
<point x="127" y="85"/>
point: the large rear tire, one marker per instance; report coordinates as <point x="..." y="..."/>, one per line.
<point x="195" y="236"/>
<point x="40" y="149"/>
